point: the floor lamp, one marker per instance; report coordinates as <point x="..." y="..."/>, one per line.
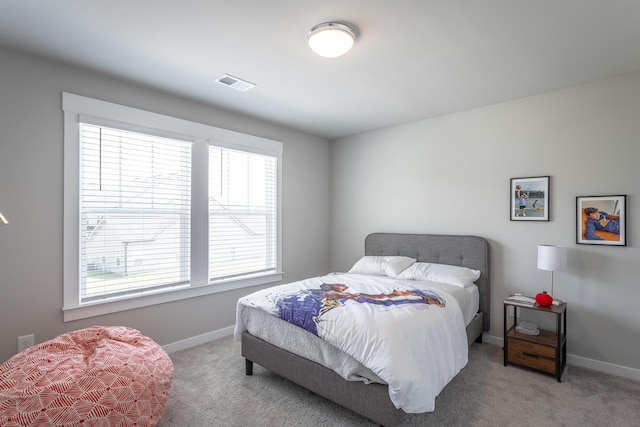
<point x="552" y="258"/>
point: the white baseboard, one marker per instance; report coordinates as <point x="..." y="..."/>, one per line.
<point x="583" y="362"/>
<point x="198" y="339"/>
<point x="608" y="368"/>
<point x="490" y="339"/>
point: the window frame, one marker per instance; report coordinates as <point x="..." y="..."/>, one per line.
<point x="78" y="109"/>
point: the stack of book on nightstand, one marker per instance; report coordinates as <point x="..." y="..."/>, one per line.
<point x="519" y="299"/>
<point x="528" y="328"/>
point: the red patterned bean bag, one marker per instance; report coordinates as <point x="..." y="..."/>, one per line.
<point x="99" y="376"/>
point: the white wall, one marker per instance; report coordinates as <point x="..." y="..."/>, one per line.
<point x="31" y="167"/>
<point x="446" y="175"/>
<point x="451" y="175"/>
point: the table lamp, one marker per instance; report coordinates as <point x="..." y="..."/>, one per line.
<point x="552" y="258"/>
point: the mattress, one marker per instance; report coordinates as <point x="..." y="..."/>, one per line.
<point x="302" y="343"/>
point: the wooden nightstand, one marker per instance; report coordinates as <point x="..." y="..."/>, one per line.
<point x="546" y="352"/>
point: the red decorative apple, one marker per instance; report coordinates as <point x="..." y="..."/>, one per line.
<point x="544" y="299"/>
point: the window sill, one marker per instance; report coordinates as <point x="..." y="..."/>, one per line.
<point x="161" y="297"/>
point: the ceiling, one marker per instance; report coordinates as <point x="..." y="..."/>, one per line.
<point x="412" y="59"/>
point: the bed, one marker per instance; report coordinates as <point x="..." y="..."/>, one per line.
<point x="310" y="367"/>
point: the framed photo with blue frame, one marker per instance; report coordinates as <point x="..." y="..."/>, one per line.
<point x="601" y="220"/>
<point x="530" y="199"/>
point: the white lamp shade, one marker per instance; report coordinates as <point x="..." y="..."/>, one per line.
<point x="331" y="40"/>
<point x="552" y="258"/>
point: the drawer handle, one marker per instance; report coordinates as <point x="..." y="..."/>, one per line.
<point x="537" y="356"/>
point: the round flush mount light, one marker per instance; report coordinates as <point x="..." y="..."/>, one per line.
<point x="331" y="39"/>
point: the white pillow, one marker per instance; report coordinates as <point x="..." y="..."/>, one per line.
<point x="382" y="265"/>
<point x="443" y="273"/>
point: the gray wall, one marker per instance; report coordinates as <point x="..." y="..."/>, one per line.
<point x="451" y="175"/>
<point x="446" y="175"/>
<point x="31" y="167"/>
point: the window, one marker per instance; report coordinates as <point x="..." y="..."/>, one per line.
<point x="242" y="213"/>
<point x="139" y="199"/>
<point x="135" y="200"/>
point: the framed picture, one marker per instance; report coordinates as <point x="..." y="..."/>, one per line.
<point x="530" y="199"/>
<point x="601" y="220"/>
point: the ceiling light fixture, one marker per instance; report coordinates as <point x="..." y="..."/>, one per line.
<point x="331" y="39"/>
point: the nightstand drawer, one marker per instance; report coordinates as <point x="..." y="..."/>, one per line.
<point x="532" y="355"/>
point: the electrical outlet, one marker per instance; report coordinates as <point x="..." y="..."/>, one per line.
<point x="25" y="342"/>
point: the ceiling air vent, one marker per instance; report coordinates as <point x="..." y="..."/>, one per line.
<point x="235" y="83"/>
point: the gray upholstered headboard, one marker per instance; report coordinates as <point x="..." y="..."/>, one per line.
<point x="465" y="251"/>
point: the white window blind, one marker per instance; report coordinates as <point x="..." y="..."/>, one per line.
<point x="135" y="201"/>
<point x="159" y="209"/>
<point x="243" y="207"/>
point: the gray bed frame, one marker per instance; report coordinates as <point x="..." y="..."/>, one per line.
<point x="372" y="400"/>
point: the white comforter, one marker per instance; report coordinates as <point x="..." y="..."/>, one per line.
<point x="415" y="347"/>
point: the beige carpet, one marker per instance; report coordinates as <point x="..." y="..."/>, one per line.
<point x="210" y="388"/>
